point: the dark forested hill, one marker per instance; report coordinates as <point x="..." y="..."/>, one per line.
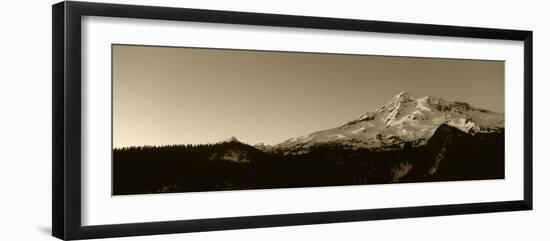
<point x="450" y="154"/>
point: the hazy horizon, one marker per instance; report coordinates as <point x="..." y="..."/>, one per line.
<point x="169" y="95"/>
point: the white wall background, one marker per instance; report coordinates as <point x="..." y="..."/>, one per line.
<point x="25" y="119"/>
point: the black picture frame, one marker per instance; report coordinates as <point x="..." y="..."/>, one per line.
<point x="66" y="76"/>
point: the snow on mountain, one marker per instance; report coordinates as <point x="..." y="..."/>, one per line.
<point x="408" y="117"/>
<point x="230" y="139"/>
<point x="233" y="153"/>
<point x="263" y="147"/>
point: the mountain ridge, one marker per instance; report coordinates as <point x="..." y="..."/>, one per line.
<point x="406" y="118"/>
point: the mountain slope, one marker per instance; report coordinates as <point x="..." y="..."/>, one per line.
<point x="233" y="151"/>
<point x="451" y="154"/>
<point x="407" y="117"/>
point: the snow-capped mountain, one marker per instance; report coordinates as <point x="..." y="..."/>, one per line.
<point x="407" y="117"/>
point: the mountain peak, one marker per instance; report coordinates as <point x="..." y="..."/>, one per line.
<point x="410" y="96"/>
<point x="403" y="93"/>
<point x="231" y="139"/>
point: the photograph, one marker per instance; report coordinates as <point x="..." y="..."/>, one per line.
<point x="188" y="119"/>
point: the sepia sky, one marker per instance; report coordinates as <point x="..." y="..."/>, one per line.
<point x="166" y="95"/>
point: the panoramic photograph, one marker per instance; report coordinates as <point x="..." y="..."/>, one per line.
<point x="201" y="119"/>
